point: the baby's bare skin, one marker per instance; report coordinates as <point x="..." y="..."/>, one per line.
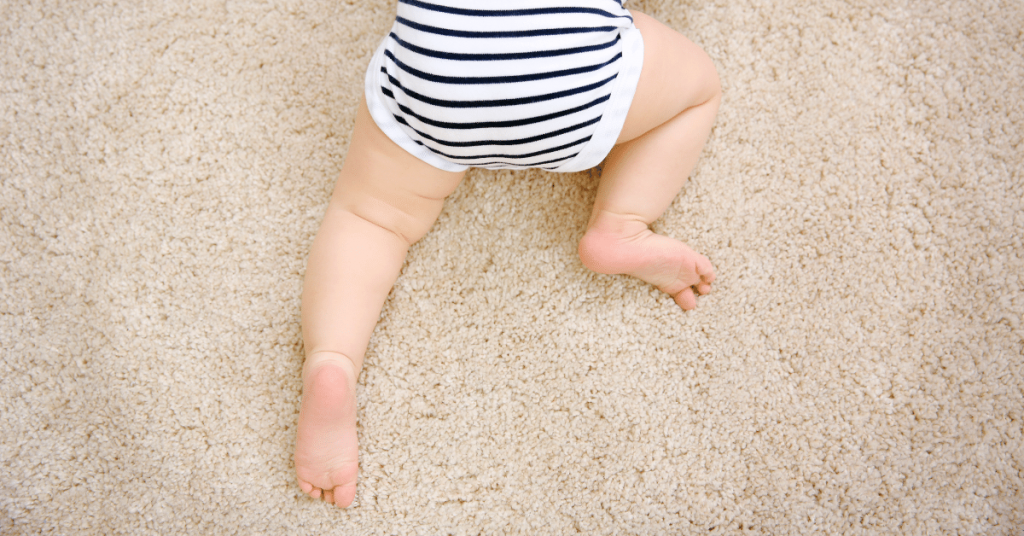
<point x="386" y="200"/>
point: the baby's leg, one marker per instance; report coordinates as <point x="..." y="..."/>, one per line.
<point x="384" y="201"/>
<point x="676" y="101"/>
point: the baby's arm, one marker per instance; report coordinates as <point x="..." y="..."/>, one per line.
<point x="385" y="200"/>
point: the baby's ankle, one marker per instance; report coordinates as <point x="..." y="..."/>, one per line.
<point x="612" y="225"/>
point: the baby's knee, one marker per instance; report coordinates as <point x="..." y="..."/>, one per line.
<point x="711" y="84"/>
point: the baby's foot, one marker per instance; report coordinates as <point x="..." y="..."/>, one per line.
<point x="326" y="449"/>
<point x="635" y="250"/>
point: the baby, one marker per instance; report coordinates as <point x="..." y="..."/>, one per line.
<point x="557" y="84"/>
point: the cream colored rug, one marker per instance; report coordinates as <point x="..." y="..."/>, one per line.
<point x="857" y="370"/>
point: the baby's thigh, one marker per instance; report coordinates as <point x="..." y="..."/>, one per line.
<point x="676" y="75"/>
<point x="383" y="183"/>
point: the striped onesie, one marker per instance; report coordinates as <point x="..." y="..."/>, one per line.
<point x="523" y="84"/>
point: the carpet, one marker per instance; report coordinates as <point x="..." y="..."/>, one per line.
<point x="857" y="368"/>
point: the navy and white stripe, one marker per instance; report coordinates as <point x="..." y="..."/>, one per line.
<point x="523" y="85"/>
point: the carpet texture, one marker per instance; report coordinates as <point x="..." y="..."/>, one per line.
<point x="857" y="368"/>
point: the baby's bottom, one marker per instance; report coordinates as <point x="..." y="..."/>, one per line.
<point x="385" y="200"/>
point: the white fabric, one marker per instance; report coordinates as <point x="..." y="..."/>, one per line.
<point x="465" y="88"/>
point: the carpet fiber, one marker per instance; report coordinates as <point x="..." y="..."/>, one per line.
<point x="857" y="368"/>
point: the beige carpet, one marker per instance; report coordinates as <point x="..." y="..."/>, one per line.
<point x="857" y="370"/>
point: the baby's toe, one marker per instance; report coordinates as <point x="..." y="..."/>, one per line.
<point x="344" y="495"/>
<point x="706" y="271"/>
<point x="686" y="299"/>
